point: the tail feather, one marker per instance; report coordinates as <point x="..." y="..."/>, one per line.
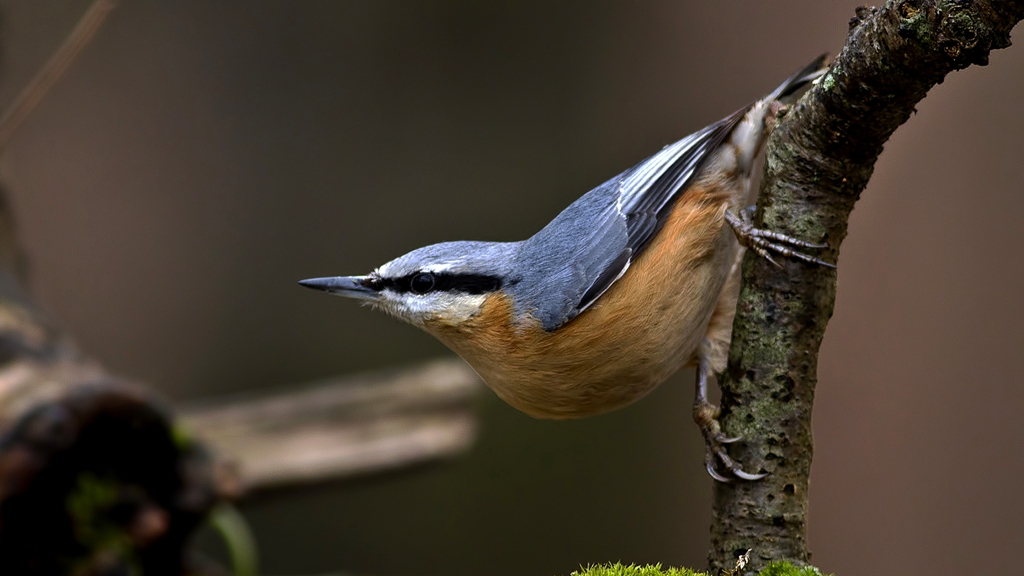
<point x="797" y="81"/>
<point x="750" y="132"/>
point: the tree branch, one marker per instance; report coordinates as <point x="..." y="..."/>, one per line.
<point x="55" y="67"/>
<point x="97" y="476"/>
<point x="818" y="160"/>
<point x="342" y="427"/>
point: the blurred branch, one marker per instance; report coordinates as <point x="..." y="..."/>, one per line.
<point x="54" y="69"/>
<point x="818" y="161"/>
<point x="69" y="433"/>
<point x="96" y="476"/>
<point x="343" y="426"/>
<point x="334" y="428"/>
<point x="98" y="481"/>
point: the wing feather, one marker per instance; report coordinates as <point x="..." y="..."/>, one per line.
<point x="646" y="194"/>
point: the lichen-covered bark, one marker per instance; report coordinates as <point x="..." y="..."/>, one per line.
<point x="818" y="161"/>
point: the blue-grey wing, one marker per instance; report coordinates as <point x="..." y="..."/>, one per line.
<point x="604" y="231"/>
<point x="649" y="190"/>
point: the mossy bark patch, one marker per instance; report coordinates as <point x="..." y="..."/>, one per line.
<point x="818" y="161"/>
<point x="774" y="569"/>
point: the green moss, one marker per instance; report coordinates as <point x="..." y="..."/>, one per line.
<point x="768" y="410"/>
<point x="633" y="570"/>
<point x="773" y="569"/>
<point x="181" y="437"/>
<point x="914" y="24"/>
<point x="89" y="506"/>
<point x="960" y="26"/>
<point x="808" y="227"/>
<point x="779" y="156"/>
<point x="771" y="348"/>
<point x="828" y="82"/>
<point x="787" y="569"/>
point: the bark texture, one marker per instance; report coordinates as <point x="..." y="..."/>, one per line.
<point x="818" y="161"/>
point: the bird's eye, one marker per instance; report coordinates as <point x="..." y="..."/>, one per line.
<point x="422" y="283"/>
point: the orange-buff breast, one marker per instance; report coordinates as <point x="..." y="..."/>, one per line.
<point x="641" y="331"/>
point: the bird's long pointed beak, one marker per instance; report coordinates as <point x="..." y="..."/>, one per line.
<point x="358" y="287"/>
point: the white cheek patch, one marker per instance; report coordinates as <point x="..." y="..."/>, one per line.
<point x="420" y="309"/>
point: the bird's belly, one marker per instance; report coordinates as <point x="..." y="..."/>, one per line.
<point x="641" y="331"/>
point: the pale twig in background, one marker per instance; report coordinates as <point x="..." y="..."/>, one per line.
<point x="342" y="426"/>
<point x="79" y="38"/>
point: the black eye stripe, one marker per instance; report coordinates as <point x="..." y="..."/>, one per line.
<point x="443" y="282"/>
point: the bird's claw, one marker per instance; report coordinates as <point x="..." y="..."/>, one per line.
<point x="764" y="242"/>
<point x="715" y="442"/>
<point x="733" y="469"/>
<point x="710" y="465"/>
<point x="705" y="414"/>
<point x="748" y="476"/>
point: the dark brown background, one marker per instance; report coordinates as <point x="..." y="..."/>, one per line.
<point x="203" y="156"/>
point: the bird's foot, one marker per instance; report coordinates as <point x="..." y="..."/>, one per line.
<point x="765" y="241"/>
<point x="705" y="415"/>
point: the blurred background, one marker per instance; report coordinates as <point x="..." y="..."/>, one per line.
<point x="200" y="157"/>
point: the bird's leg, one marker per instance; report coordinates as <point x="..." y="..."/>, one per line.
<point x="765" y="241"/>
<point x="705" y="414"/>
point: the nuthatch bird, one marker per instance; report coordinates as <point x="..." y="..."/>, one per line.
<point x="634" y="280"/>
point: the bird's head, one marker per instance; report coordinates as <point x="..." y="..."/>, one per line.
<point x="440" y="285"/>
